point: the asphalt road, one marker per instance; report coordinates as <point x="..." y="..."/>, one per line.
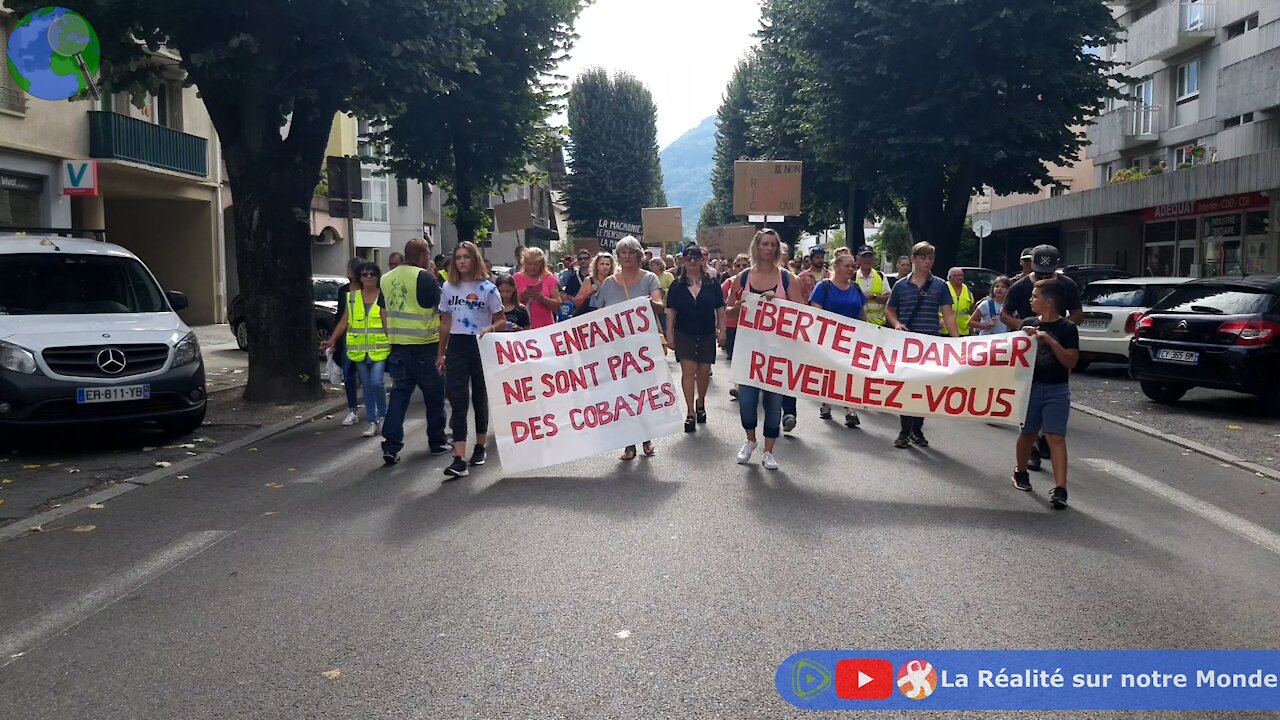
<point x="667" y="588"/>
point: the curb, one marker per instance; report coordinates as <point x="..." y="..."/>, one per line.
<point x="1180" y="441"/>
<point x="19" y="528"/>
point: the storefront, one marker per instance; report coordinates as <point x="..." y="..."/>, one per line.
<point x="1207" y="238"/>
<point x="20" y="199"/>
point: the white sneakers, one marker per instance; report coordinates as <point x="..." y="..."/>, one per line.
<point x="350" y="419"/>
<point x="748" y="449"/>
<point x="373" y="429"/>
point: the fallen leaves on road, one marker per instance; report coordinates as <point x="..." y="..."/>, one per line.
<point x="1235" y="427"/>
<point x="623" y="634"/>
<point x="84" y="528"/>
<point x="72" y="471"/>
<point x="38" y="529"/>
<point x="183" y="477"/>
<point x="191" y="453"/>
<point x="147" y="449"/>
<point x="332" y="674"/>
<point x="269" y="514"/>
<point x="274" y="485"/>
<point x="293" y="469"/>
<point x="30" y="467"/>
<point x="253" y="449"/>
<point x="96" y="506"/>
<point x="6" y="481"/>
<point x="163" y="464"/>
<point x="1" y="501"/>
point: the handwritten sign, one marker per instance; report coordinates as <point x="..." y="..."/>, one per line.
<point x="609" y="232"/>
<point x="804" y="352"/>
<point x="767" y="187"/>
<point x="579" y="388"/>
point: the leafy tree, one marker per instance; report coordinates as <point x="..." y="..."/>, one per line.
<point x="732" y="142"/>
<point x="931" y="99"/>
<point x="895" y="238"/>
<point x="272" y="75"/>
<point x="490" y="123"/>
<point x="613" y="144"/>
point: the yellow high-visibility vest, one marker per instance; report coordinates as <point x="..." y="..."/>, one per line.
<point x="365" y="336"/>
<point x="408" y="323"/>
<point x="963" y="307"/>
<point x="875" y="310"/>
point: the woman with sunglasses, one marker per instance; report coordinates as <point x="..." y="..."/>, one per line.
<point x="695" y="321"/>
<point x="602" y="268"/>
<point x="363" y="325"/>
<point x="631" y="281"/>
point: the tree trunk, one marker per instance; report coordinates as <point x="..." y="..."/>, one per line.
<point x="855" y="217"/>
<point x="272" y="180"/>
<point x="464" y="221"/>
<point x="936" y="212"/>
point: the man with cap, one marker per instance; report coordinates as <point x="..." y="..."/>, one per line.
<point x="1017" y="306"/>
<point x="816" y="272"/>
<point x="1026" y="263"/>
<point x="874" y="286"/>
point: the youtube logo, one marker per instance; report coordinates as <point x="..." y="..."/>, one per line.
<point x="864" y="679"/>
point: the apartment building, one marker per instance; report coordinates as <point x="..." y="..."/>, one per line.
<point x="1187" y="168"/>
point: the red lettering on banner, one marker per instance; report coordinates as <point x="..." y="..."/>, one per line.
<point x="668" y="396"/>
<point x="519" y="351"/>
<point x="787" y="317"/>
<point x="964" y="401"/>
<point x="768" y="317"/>
<point x="931" y="355"/>
<point x="630" y="405"/>
<point x="534" y="429"/>
<point x="912" y="351"/>
<point x="620" y="366"/>
<point x="608" y="329"/>
<point x="1021" y="346"/>
<point x="756" y="367"/>
<point x="1006" y="408"/>
<point x="614" y="325"/>
<point x="567" y="381"/>
<point x="844" y="333"/>
<point x="895" y="387"/>
<point x="803" y="323"/>
<point x="520" y="391"/>
<point x="745" y="318"/>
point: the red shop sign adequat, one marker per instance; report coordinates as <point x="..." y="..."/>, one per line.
<point x="1230" y="203"/>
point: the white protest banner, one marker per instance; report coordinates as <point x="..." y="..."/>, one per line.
<point x="578" y="388"/>
<point x="802" y="351"/>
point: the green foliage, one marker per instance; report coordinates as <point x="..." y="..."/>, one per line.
<point x="1126" y="175"/>
<point x="613" y="146"/>
<point x="491" y="124"/>
<point x="837" y="240"/>
<point x="931" y="99"/>
<point x="895" y="238"/>
<point x="710" y="215"/>
<point x="732" y="142"/>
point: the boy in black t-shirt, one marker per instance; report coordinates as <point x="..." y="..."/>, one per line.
<point x="1050" y="403"/>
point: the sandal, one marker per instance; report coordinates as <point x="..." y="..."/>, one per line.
<point x="649" y="450"/>
<point x="689" y="425"/>
<point x="701" y="415"/>
<point x="629" y="454"/>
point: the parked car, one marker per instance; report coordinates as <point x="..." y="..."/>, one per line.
<point x="1221" y="332"/>
<point x="980" y="280"/>
<point x="325" y="302"/>
<point x="1111" y="312"/>
<point x="87" y="336"/>
<point x="496" y="270"/>
<point x="1083" y="275"/>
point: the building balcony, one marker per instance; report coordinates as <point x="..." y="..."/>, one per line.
<point x="1249" y="86"/>
<point x="1140" y="125"/>
<point x="1172" y="29"/>
<point x="15" y="101"/>
<point x="1122" y="129"/>
<point x="118" y="137"/>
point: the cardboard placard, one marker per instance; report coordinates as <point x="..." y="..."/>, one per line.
<point x="663" y="226"/>
<point x="767" y="187"/>
<point x="512" y="216"/>
<point x="609" y="232"/>
<point x="728" y="241"/>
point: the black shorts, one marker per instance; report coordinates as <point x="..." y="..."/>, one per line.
<point x="696" y="348"/>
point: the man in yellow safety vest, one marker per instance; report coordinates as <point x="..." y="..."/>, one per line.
<point x="874" y="286"/>
<point x="961" y="301"/>
<point x="413" y="328"/>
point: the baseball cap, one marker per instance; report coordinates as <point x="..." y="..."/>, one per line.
<point x="1044" y="260"/>
<point x="1027" y="254"/>
<point x="866" y="250"/>
<point x="818" y="250"/>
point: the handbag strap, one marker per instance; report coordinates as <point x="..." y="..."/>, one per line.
<point x="915" y="312"/>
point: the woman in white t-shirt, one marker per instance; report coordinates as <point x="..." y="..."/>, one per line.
<point x="470" y="306"/>
<point x="986" y="317"/>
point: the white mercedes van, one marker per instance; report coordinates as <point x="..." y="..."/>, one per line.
<point x="88" y="337"/>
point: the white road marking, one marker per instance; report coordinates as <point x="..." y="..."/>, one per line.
<point x="320" y="473"/>
<point x="71" y="613"/>
<point x="1212" y="513"/>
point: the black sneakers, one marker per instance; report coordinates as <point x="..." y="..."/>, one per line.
<point x="1058" y="498"/>
<point x="917" y="437"/>
<point x="390" y="458"/>
<point x="851" y="419"/>
<point x="441" y="450"/>
<point x="1022" y="480"/>
<point x="1033" y="462"/>
<point x="458" y="468"/>
<point x="904" y="439"/>
<point x="479" y="456"/>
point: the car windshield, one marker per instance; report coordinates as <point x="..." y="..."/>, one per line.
<point x="1218" y="300"/>
<point x="327" y="290"/>
<point x="1125" y="295"/>
<point x="66" y="284"/>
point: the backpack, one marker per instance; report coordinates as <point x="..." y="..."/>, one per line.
<point x="745" y="278"/>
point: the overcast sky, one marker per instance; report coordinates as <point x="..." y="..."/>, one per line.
<point x="683" y="50"/>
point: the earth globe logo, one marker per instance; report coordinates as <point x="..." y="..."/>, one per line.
<point x="54" y="54"/>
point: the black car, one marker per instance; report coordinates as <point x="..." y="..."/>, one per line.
<point x="1085" y="274"/>
<point x="1221" y="332"/>
<point x="325" y="301"/>
<point x="980" y="280"/>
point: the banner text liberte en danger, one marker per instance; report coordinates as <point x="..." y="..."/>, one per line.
<point x="810" y="353"/>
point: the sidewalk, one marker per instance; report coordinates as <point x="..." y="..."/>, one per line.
<point x="40" y="476"/>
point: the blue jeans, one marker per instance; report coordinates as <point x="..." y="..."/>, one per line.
<point x="788" y="405"/>
<point x="375" y="391"/>
<point x="413" y="367"/>
<point x="749" y="400"/>
<point x="348" y="373"/>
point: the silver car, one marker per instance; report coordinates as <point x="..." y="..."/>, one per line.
<point x="1111" y="312"/>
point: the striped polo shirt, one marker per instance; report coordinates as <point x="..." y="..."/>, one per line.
<point x="906" y="295"/>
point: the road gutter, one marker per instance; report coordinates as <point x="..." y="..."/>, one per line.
<point x="18" y="528"/>
<point x="1180" y="441"/>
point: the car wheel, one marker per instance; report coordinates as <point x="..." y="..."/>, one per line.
<point x="323" y="332"/>
<point x="1165" y="393"/>
<point x="185" y="425"/>
<point x="241" y="330"/>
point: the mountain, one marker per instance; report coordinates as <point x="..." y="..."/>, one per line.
<point x="686" y="172"/>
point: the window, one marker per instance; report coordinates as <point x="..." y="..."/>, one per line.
<point x="1193" y="15"/>
<point x="1237" y="29"/>
<point x="366" y="148"/>
<point x="47" y="284"/>
<point x="1111" y="171"/>
<point x="374" y="186"/>
<point x="1238" y="120"/>
<point x="402" y="192"/>
<point x="1188" y="155"/>
<point x="1188" y="80"/>
<point x="11" y="98"/>
<point x="1059" y="188"/>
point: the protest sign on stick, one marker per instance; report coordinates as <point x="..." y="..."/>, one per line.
<point x="809" y="353"/>
<point x="579" y="388"/>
